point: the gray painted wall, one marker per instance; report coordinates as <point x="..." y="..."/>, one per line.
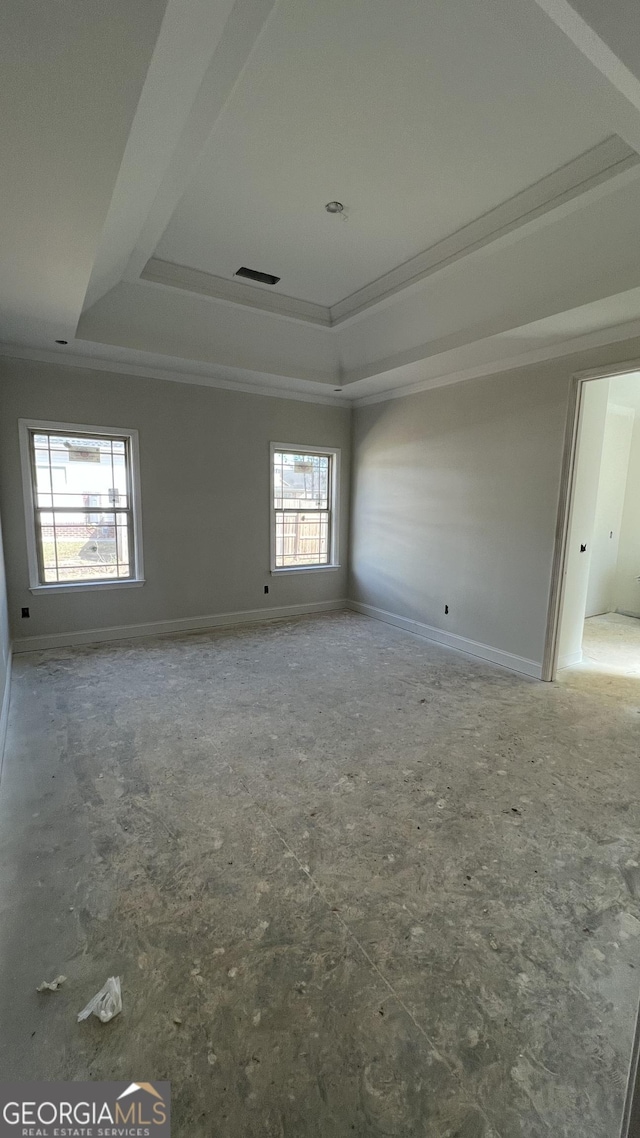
<point x="206" y="535"/>
<point x="4" y="642"/>
<point x="455" y="497"/>
<point x="455" y="500"/>
<point x="627" y="585"/>
<point x="607" y="526"/>
<point x="582" y="520"/>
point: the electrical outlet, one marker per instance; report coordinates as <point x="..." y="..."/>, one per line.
<point x="25" y="612"/>
<point x="266" y="588"/>
<point x="446" y="610"/>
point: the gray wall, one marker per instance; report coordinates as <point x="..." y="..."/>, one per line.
<point x="455" y="499"/>
<point x="627" y="586"/>
<point x="4" y="644"/>
<point x="582" y="520"/>
<point x="607" y="526"/>
<point x="204" y="459"/>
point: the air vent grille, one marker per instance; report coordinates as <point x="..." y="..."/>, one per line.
<point x="254" y="275"/>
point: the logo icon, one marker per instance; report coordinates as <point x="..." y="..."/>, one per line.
<point x="96" y="1110"/>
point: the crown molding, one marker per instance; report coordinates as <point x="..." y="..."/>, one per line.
<point x="589" y="340"/>
<point x="594" y="168"/>
<point x="349" y="398"/>
<point x="174" y="375"/>
<point x="234" y="291"/>
<point x="595" y="172"/>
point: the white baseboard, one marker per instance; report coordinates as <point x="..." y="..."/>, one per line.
<point x="451" y="640"/>
<point x="253" y="616"/>
<point x="569" y="659"/>
<point x="168" y="627"/>
<point x="4" y="710"/>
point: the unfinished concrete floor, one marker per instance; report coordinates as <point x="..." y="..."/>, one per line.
<point x="612" y="642"/>
<point x="386" y="889"/>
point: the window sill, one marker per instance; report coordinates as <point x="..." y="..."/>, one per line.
<point x="83" y="586"/>
<point x="305" y="569"/>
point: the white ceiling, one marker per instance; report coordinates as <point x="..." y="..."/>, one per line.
<point x="487" y="154"/>
<point x="71" y="76"/>
<point x="418" y="117"/>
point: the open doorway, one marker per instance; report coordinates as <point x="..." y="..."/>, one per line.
<point x="598" y="622"/>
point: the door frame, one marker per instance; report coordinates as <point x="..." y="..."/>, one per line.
<point x="630" y="1123"/>
<point x="565" y="506"/>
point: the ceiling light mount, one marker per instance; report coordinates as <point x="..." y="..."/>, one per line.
<point x="334" y="207"/>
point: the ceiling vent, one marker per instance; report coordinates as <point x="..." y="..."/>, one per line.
<point x="254" y="275"/>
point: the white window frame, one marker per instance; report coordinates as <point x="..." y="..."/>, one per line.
<point x="26" y="427"/>
<point x="334" y="529"/>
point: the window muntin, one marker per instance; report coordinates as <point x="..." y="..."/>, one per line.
<point x="303" y="492"/>
<point x="82" y="507"/>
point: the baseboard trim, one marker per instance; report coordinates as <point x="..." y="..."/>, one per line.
<point x="4" y="711"/>
<point x="256" y="616"/>
<point x="451" y="640"/>
<point x="569" y="659"/>
<point x="170" y="627"/>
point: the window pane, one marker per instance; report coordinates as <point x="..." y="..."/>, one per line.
<point x="122" y="550"/>
<point x="300" y="478"/>
<point x="81" y="471"/>
<point x="93" y="573"/>
<point x="118" y="488"/>
<point x="48" y="546"/>
<point x="103" y="520"/>
<point x="79" y="480"/>
<point x="302" y="538"/>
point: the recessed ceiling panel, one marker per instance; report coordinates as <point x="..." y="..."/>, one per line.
<point x="419" y="116"/>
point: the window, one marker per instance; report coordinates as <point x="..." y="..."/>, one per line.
<point x="304" y="484"/>
<point x="81" y="493"/>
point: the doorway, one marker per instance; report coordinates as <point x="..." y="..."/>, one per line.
<point x="596" y="621"/>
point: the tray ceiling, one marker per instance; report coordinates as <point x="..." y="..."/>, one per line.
<point x="487" y="155"/>
<point x="419" y="117"/>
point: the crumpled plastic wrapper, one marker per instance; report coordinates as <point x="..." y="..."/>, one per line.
<point x="51" y="985"/>
<point x="106" y="1003"/>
